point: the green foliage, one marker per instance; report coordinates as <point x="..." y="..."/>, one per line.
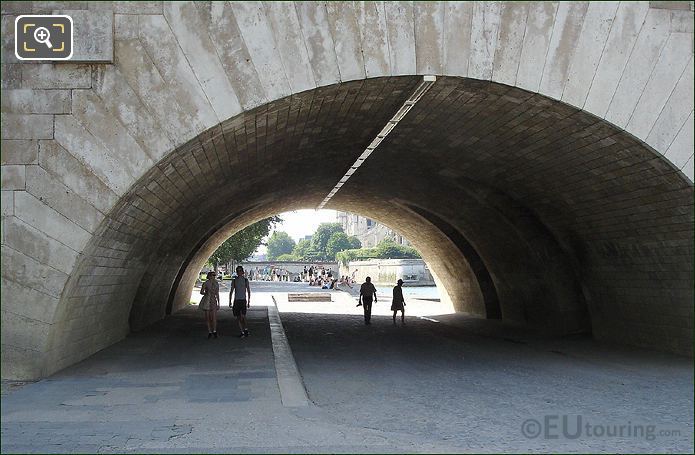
<point x="287" y="257"/>
<point x="338" y="242"/>
<point x="323" y="233"/>
<point x="355" y="243"/>
<point x="279" y="243"/>
<point x="241" y="245"/>
<point x="313" y="256"/>
<point x="344" y="257"/>
<point x="328" y="239"/>
<point x="301" y="249"/>
<point x="304" y="251"/>
<point x="386" y="249"/>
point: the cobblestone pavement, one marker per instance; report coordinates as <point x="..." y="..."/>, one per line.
<point x="449" y="386"/>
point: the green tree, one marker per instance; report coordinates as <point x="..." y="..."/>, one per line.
<point x="388" y="249"/>
<point x="314" y="256"/>
<point x="323" y="233"/>
<point x="346" y="256"/>
<point x="339" y="241"/>
<point x="302" y="249"/>
<point x="279" y="243"/>
<point x="241" y="245"/>
<point x="286" y="257"/>
<point x="355" y="243"/>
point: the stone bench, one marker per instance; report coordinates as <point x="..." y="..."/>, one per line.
<point x="309" y="297"/>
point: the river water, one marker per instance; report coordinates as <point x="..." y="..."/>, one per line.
<point x="415" y="292"/>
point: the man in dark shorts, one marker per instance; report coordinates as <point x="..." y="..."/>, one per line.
<point x="242" y="300"/>
<point x="367" y="292"/>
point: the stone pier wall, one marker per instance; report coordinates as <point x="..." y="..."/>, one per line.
<point x="414" y="272"/>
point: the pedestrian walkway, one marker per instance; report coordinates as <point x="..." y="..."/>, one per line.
<point x="445" y="383"/>
<point x="170" y="389"/>
<point x="481" y="386"/>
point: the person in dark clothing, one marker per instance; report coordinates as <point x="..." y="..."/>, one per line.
<point x="367" y="293"/>
<point x="398" y="303"/>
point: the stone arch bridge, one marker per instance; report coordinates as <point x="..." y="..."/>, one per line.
<point x="546" y="176"/>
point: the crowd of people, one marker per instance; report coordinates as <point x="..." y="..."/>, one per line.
<point x="314" y="275"/>
<point x="270" y="273"/>
<point x="319" y="276"/>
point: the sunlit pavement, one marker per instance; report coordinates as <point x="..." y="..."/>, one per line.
<point x="342" y="302"/>
<point x="455" y="385"/>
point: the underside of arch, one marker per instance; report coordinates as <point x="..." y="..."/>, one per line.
<point x="553" y="217"/>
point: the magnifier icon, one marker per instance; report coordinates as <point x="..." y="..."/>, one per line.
<point x="43" y="36"/>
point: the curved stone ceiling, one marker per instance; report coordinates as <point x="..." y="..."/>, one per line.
<point x="245" y="94"/>
<point x="577" y="225"/>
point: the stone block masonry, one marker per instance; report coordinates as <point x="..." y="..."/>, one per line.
<point x="558" y="141"/>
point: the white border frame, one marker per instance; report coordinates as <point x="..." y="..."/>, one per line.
<point x="45" y="59"/>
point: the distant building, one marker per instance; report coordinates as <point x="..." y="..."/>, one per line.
<point x="368" y="231"/>
<point x="258" y="257"/>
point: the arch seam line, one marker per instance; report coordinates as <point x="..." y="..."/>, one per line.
<point x="418" y="93"/>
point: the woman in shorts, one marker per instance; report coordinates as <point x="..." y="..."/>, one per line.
<point x="210" y="303"/>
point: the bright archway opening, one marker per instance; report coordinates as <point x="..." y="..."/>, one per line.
<point x="314" y="261"/>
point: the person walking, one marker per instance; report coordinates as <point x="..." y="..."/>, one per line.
<point x="367" y="293"/>
<point x="241" y="291"/>
<point x="398" y="303"/>
<point x="210" y="303"/>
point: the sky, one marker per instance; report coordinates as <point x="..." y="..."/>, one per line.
<point x="302" y="222"/>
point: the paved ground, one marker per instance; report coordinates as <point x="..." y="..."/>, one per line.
<point x="453" y="385"/>
<point x="475" y="391"/>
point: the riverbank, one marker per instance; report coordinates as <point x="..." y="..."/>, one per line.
<point x="414" y="272"/>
